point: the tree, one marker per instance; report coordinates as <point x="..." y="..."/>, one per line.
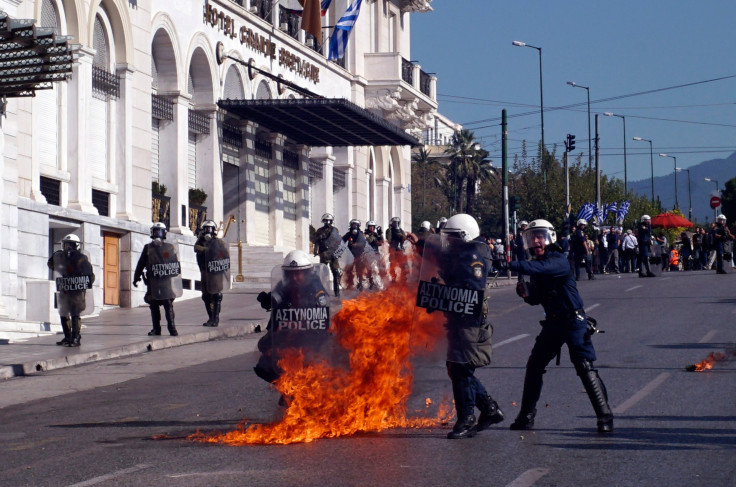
<point x="478" y="171"/>
<point x="728" y="200"/>
<point x="423" y="162"/>
<point x="461" y="151"/>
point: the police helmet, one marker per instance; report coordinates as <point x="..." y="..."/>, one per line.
<point x="370" y="223"/>
<point x="297" y="260"/>
<point x="535" y="228"/>
<point x="354" y="223"/>
<point x="523" y="223"/>
<point x="158" y="231"/>
<point x="646" y="218"/>
<point x="462" y="225"/>
<point x="425" y="225"/>
<point x="209" y="228"/>
<point x="582" y="221"/>
<point x="721" y="218"/>
<point x="328" y="218"/>
<point x="70" y="242"/>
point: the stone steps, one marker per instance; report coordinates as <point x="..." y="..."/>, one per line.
<point x="18" y="331"/>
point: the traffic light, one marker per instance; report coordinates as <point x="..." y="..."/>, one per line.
<point x="570" y="143"/>
<point x="515" y="203"/>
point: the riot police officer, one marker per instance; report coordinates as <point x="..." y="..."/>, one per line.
<point x="326" y="242"/>
<point x="518" y="250"/>
<point x="213" y="260"/>
<point x="74" y="278"/>
<point x="464" y="263"/>
<point x="441" y="224"/>
<point x="299" y="288"/>
<point x="719" y="236"/>
<point x="580" y="250"/>
<point x="357" y="244"/>
<point x="396" y="238"/>
<point x="162" y="277"/>
<point x="553" y="286"/>
<point x="373" y="235"/>
<point x="644" y="239"/>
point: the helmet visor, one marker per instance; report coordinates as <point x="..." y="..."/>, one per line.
<point x="157" y="232"/>
<point x="537" y="238"/>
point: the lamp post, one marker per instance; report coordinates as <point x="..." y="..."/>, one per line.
<point x="626" y="179"/>
<point x="689" y="194"/>
<point x="717" y="190"/>
<point x="541" y="93"/>
<point x="590" y="150"/>
<point x="651" y="161"/>
<point x="675" y="158"/>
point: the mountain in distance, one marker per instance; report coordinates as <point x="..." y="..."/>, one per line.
<point x="720" y="170"/>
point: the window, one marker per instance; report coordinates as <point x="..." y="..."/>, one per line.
<point x="51" y="190"/>
<point x="46" y="130"/>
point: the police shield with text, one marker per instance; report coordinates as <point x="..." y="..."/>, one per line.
<point x="213" y="260"/>
<point x="327" y="241"/>
<point x="74" y="278"/>
<point x="162" y="276"/>
<point x="363" y="254"/>
<point x="552" y="284"/>
<point x="300" y="313"/>
<point x="454" y="281"/>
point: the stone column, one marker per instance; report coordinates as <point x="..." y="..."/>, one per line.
<point x="302" y="199"/>
<point x="247" y="180"/>
<point x="80" y="93"/>
<point x="276" y="197"/>
<point x="322" y="188"/>
<point x="124" y="145"/>
<point x="173" y="159"/>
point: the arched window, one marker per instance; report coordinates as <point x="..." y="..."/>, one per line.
<point x="233" y="85"/>
<point x="263" y="92"/>
<point x="105" y="86"/>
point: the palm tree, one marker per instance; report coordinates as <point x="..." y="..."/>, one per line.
<point x="421" y="159"/>
<point x="478" y="170"/>
<point x="461" y="150"/>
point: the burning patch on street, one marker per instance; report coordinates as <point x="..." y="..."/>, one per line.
<point x="710" y="360"/>
<point x="380" y="332"/>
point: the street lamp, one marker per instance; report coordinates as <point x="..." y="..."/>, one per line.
<point x="541" y="93"/>
<point x="626" y="180"/>
<point x="675" y="158"/>
<point x="717" y="190"/>
<point x="590" y="150"/>
<point x="651" y="161"/>
<point x="689" y="194"/>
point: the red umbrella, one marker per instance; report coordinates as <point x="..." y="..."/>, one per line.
<point x="670" y="220"/>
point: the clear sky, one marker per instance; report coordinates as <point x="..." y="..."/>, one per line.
<point x="616" y="48"/>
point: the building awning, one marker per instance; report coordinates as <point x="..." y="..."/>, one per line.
<point x="31" y="58"/>
<point x="320" y="122"/>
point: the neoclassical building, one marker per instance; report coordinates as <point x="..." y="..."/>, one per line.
<point x="225" y="98"/>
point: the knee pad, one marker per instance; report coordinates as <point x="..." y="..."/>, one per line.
<point x="583" y="366"/>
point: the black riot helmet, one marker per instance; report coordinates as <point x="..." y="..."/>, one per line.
<point x="158" y="231"/>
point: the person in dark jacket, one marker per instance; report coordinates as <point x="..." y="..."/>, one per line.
<point x="553" y="286"/>
<point x="465" y="264"/>
<point x="719" y="236"/>
<point x="644" y="239"/>
<point x="580" y="251"/>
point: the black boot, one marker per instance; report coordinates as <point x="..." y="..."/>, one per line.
<point x="156" y="320"/>
<point x="336" y="288"/>
<point x="524" y="421"/>
<point x="216" y="304"/>
<point x="67" y="332"/>
<point x="169" y="312"/>
<point x="208" y="305"/>
<point x="76" y="332"/>
<point x="597" y="394"/>
<point x="464" y="428"/>
<point x="490" y="413"/>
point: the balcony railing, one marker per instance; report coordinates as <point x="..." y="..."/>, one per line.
<point x="407" y="71"/>
<point x="290" y="21"/>
<point x="424" y="82"/>
<point x="104" y="83"/>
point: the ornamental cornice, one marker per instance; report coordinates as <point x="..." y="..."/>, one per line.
<point x="391" y="106"/>
<point x="415" y="6"/>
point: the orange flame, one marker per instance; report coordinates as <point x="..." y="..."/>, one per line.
<point x="707" y="364"/>
<point x="371" y="393"/>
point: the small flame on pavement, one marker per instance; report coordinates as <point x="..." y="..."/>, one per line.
<point x="710" y="360"/>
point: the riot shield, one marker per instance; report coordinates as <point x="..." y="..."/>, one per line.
<point x="74" y="277"/>
<point x="343" y="255"/>
<point x="217" y="267"/>
<point x="454" y="280"/>
<point x="163" y="272"/>
<point x="300" y="312"/>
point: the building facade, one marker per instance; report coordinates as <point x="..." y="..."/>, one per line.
<point x="142" y="113"/>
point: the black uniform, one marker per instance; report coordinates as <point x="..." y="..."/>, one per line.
<point x="396" y="238"/>
<point x="212" y="300"/>
<point x="467" y="266"/>
<point x="326" y="241"/>
<point x="150" y="254"/>
<point x="553" y="286"/>
<point x="579" y="245"/>
<point x="72" y="303"/>
<point x="719" y="235"/>
<point x="644" y="239"/>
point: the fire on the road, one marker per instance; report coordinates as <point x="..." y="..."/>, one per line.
<point x="371" y="393"/>
<point x="711" y="359"/>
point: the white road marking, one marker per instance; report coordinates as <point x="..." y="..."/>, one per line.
<point x="509" y="340"/>
<point x="653" y="384"/>
<point x="592" y="306"/>
<point x="632" y="288"/>
<point x="110" y="476"/>
<point x="529" y="477"/>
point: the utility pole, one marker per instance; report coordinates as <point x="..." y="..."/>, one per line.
<point x="597" y="170"/>
<point x="505" y="184"/>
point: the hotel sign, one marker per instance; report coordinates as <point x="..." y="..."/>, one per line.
<point x="225" y="23"/>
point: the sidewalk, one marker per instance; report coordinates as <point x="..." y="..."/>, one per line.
<point x="122" y="332"/>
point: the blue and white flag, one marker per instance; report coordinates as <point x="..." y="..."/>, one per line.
<point x="623" y="210"/>
<point x="586" y="211"/>
<point x="339" y="39"/>
<point x="611" y="207"/>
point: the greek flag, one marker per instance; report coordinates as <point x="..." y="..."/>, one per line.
<point x="611" y="207"/>
<point x="339" y="40"/>
<point x="623" y="210"/>
<point x="586" y="211"/>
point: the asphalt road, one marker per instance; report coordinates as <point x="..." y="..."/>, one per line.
<point x="95" y="424"/>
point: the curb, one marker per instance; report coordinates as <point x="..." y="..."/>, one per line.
<point x="149" y="345"/>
